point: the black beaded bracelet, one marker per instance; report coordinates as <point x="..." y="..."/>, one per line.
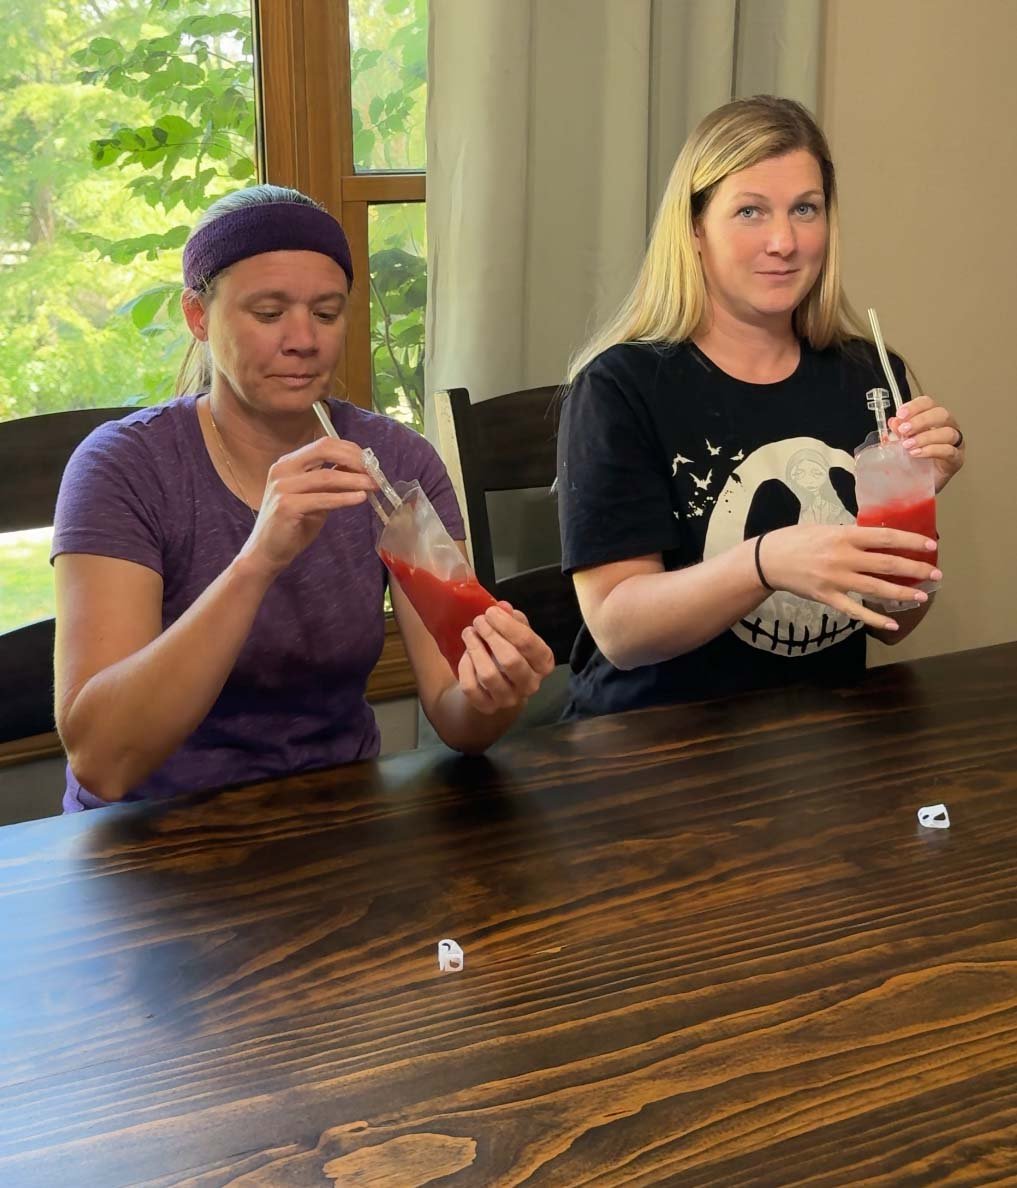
<point x="759" y="568"/>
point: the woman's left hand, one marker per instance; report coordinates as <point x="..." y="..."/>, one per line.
<point x="929" y="431"/>
<point x="504" y="662"/>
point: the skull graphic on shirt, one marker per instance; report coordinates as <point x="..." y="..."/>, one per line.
<point x="784" y="623"/>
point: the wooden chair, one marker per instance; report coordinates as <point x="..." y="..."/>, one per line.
<point x="507" y="443"/>
<point x="33" y="454"/>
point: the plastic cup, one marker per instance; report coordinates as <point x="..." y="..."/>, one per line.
<point x="895" y="490"/>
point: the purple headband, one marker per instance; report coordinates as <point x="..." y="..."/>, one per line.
<point x="263" y="227"/>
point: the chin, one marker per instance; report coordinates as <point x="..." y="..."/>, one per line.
<point x="785" y="306"/>
<point x="296" y="399"/>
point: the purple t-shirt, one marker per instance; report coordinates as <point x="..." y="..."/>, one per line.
<point x="144" y="489"/>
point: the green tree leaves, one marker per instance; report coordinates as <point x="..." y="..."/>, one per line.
<point x="398" y="300"/>
<point x="389" y="74"/>
<point x="194" y="74"/>
<point x="122" y="120"/>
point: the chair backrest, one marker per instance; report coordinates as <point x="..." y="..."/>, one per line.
<point x="33" y="454"/>
<point x="507" y="443"/>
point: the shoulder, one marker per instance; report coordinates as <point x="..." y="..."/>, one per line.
<point x="141" y="435"/>
<point x="402" y="452"/>
<point x="629" y="363"/>
<point x="376" y="431"/>
<point x="632" y="376"/>
<point x="857" y="361"/>
<point x="124" y="485"/>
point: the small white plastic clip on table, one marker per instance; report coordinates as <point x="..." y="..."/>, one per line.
<point x="450" y="956"/>
<point x="934" y="816"/>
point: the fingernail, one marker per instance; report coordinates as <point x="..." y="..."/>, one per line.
<point x="931" y="544"/>
<point x="921" y="596"/>
<point x="891" y="625"/>
<point x="905" y="429"/>
<point x="936" y="575"/>
<point x="910" y="444"/>
<point x="916" y="452"/>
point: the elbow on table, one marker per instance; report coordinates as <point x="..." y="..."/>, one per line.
<point x="100" y="775"/>
<point x="104" y="769"/>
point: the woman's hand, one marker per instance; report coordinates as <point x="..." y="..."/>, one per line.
<point x="929" y="431"/>
<point x="302" y="488"/>
<point x="504" y="662"/>
<point x="835" y="565"/>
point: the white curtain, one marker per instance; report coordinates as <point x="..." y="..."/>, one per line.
<point x="552" y="128"/>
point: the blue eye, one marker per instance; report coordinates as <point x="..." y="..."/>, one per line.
<point x="748" y="210"/>
<point x="806" y="208"/>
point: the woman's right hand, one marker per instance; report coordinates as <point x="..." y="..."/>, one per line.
<point x="832" y="563"/>
<point x="302" y="488"/>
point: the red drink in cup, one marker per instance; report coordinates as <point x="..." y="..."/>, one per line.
<point x="908" y="517"/>
<point x="895" y="490"/>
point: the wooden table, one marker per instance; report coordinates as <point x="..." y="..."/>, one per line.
<point x="704" y="945"/>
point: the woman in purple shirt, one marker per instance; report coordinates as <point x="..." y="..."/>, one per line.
<point x="219" y="598"/>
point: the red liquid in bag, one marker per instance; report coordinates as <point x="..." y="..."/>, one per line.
<point x="446" y="607"/>
<point x="908" y="517"/>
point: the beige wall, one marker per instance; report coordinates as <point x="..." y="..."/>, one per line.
<point x="920" y="103"/>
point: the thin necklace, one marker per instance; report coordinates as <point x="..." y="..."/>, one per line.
<point x="229" y="464"/>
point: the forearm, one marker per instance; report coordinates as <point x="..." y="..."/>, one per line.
<point x="129" y="718"/>
<point x="652" y="617"/>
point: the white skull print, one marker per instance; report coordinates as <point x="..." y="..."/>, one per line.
<point x="785" y="624"/>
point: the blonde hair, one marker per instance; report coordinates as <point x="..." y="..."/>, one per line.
<point x="195" y="374"/>
<point x="668" y="302"/>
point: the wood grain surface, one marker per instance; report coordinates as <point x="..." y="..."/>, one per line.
<point x="704" y="945"/>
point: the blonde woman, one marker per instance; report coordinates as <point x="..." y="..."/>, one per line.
<point x="705" y="465"/>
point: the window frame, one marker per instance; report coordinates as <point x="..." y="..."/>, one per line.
<point x="305" y="135"/>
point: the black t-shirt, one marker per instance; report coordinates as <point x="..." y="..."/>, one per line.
<point x="659" y="451"/>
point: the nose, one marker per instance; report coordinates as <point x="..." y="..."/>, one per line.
<point x="301" y="332"/>
<point x="781" y="240"/>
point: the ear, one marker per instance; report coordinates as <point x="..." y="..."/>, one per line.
<point x="195" y="314"/>
<point x="697" y="228"/>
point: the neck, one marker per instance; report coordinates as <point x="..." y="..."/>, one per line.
<point x="244" y="446"/>
<point x="765" y="347"/>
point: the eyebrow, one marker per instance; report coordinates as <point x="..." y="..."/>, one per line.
<point x="765" y="198"/>
<point x="280" y="295"/>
